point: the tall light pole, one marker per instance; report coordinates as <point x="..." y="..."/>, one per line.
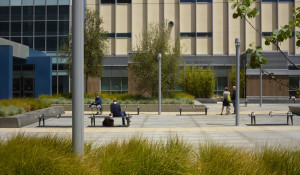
<point x="78" y="76"/>
<point x="159" y="84"/>
<point x="237" y="73"/>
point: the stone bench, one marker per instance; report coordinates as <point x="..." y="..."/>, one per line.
<point x="288" y="116"/>
<point x="127" y="118"/>
<point x="203" y="108"/>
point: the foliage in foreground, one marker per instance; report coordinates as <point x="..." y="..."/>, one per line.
<point x="137" y="155"/>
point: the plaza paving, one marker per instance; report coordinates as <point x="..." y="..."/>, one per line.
<point x="190" y="127"/>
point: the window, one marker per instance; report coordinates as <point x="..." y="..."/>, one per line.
<point x="16" y="13"/>
<point x="204" y="34"/>
<point x="63" y="84"/>
<point x="51" y="43"/>
<point x="187" y="0"/>
<point x="28" y="41"/>
<point x="40" y="28"/>
<point x="107" y="1"/>
<point x="16" y="39"/>
<point x="4" y="13"/>
<point x="27" y="2"/>
<point x="28" y="13"/>
<point x="51" y="2"/>
<point x="114" y="84"/>
<point x="186" y="34"/>
<point x="52" y="12"/>
<point x="124" y="35"/>
<point x="64" y="27"/>
<point x="39" y="43"/>
<point x="16" y="29"/>
<point x="40" y="13"/>
<point x="63" y="2"/>
<point x="40" y="2"/>
<point x="51" y="28"/>
<point x="294" y="84"/>
<point x="27" y="28"/>
<point x="124" y="1"/>
<point x="4" y="3"/>
<point x="4" y="29"/>
<point x="64" y="12"/>
<point x="15" y="2"/>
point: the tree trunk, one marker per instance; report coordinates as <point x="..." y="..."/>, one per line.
<point x="86" y="84"/>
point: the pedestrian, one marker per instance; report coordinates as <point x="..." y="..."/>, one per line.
<point x="233" y="98"/>
<point x="116" y="111"/>
<point x="226" y="103"/>
<point x="97" y="103"/>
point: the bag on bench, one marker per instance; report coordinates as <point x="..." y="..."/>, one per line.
<point x="108" y="121"/>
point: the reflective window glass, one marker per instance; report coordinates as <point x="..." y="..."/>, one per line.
<point x="28" y="41"/>
<point x="124" y="83"/>
<point x="4" y="3"/>
<point x="51" y="2"/>
<point x="40" y="2"/>
<point x="39" y="43"/>
<point x="16" y="29"/>
<point x="40" y="12"/>
<point x="107" y="1"/>
<point x="64" y="27"/>
<point x="54" y="84"/>
<point x="27" y="28"/>
<point x="51" y="28"/>
<point x="63" y="84"/>
<point x="124" y="1"/>
<point x="115" y="83"/>
<point x="27" y="2"/>
<point x="51" y="43"/>
<point x="64" y="12"/>
<point x="64" y="2"/>
<point x="63" y="40"/>
<point x="105" y="83"/>
<point x="15" y="2"/>
<point x="4" y="29"/>
<point x="16" y="39"/>
<point x="28" y="13"/>
<point x="52" y="12"/>
<point x="4" y="13"/>
<point x="16" y="13"/>
<point x="40" y="28"/>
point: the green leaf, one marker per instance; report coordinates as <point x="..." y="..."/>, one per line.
<point x="267" y="42"/>
<point x="297" y="34"/>
<point x="298" y="43"/>
<point x="264" y="61"/>
<point x="249" y="51"/>
<point x="235" y="15"/>
<point x="275" y="32"/>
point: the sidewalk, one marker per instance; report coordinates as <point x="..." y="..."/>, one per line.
<point x="191" y="127"/>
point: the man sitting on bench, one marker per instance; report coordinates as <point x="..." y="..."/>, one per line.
<point x="97" y="103"/>
<point x="116" y="111"/>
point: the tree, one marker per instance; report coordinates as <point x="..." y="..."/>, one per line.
<point x="145" y="62"/>
<point x="197" y="81"/>
<point x="95" y="46"/>
<point x="242" y="80"/>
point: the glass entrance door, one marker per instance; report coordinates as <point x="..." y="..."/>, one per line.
<point x="23" y="86"/>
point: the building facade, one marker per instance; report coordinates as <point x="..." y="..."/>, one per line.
<point x="206" y="27"/>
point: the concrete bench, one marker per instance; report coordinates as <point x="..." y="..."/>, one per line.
<point x="132" y="107"/>
<point x="93" y="119"/>
<point x="194" y="108"/>
<point x="42" y="117"/>
<point x="288" y="115"/>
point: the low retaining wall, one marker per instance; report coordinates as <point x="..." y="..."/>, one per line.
<point x="20" y="120"/>
<point x="143" y="107"/>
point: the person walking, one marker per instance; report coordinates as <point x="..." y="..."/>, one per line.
<point x="226" y="93"/>
<point x="233" y="98"/>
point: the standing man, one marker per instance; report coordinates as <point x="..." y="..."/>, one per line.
<point x="233" y="98"/>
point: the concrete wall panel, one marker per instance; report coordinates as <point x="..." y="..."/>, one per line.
<point x="123" y="18"/>
<point x="204" y="18"/>
<point x="204" y="45"/>
<point x="139" y="19"/>
<point x="155" y="11"/>
<point x="187" y="17"/>
<point x="220" y="28"/>
<point x="171" y="14"/>
<point x="107" y="12"/>
<point x="269" y="17"/>
<point x="188" y="45"/>
<point x="251" y="34"/>
<point x="284" y="16"/>
<point x="123" y="46"/>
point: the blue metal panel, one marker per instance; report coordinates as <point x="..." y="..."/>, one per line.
<point x="6" y="71"/>
<point x="43" y="75"/>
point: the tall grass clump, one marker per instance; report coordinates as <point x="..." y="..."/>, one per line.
<point x="141" y="156"/>
<point x="11" y="110"/>
<point x="29" y="104"/>
<point x="45" y="155"/>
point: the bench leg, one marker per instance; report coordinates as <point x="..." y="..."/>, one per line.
<point x="180" y="111"/>
<point x="39" y="121"/>
<point x="43" y="121"/>
<point x="292" y="120"/>
<point x="128" y="122"/>
<point x="138" y="110"/>
<point x="123" y="120"/>
<point x="205" y="111"/>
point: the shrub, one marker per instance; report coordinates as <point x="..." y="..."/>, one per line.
<point x="29" y="104"/>
<point x="11" y="110"/>
<point x="196" y="81"/>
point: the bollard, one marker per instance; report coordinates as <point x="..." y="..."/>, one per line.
<point x="246" y="102"/>
<point x="138" y="110"/>
<point x="180" y="110"/>
<point x="206" y="110"/>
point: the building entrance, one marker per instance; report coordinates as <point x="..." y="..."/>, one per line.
<point x="23" y="81"/>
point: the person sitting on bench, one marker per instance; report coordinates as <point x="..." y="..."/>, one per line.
<point x="116" y="111"/>
<point x="97" y="103"/>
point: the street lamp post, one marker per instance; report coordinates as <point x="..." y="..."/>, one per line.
<point x="78" y="77"/>
<point x="237" y="72"/>
<point x="159" y="84"/>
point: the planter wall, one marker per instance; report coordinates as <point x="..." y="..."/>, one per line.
<point x="20" y="120"/>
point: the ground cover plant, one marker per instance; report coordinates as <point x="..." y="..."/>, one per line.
<point x="21" y="105"/>
<point x="174" y="98"/>
<point x="137" y="155"/>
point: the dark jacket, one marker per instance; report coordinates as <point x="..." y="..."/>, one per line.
<point x="233" y="95"/>
<point x="115" y="109"/>
<point x="98" y="100"/>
